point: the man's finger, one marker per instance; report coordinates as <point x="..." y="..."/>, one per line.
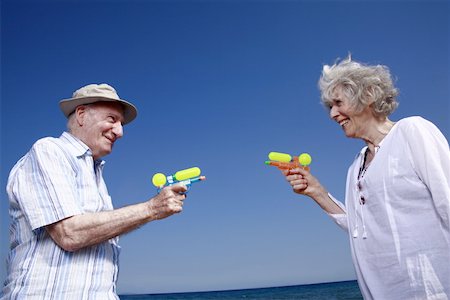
<point x="179" y="188"/>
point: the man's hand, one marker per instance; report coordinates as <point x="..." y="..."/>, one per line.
<point x="168" y="202"/>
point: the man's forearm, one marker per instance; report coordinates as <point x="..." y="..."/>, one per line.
<point x="88" y="229"/>
<point x="85" y="230"/>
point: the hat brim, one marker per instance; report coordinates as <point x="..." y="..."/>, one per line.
<point x="68" y="106"/>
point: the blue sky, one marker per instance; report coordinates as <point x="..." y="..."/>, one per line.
<point x="218" y="85"/>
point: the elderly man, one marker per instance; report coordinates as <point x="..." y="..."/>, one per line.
<point x="64" y="230"/>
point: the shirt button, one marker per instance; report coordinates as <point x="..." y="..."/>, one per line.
<point x="362" y="200"/>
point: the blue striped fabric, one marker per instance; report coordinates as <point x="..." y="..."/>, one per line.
<point x="56" y="179"/>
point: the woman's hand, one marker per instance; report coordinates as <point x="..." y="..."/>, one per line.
<point x="302" y="182"/>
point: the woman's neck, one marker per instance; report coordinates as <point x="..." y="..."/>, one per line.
<point x="377" y="133"/>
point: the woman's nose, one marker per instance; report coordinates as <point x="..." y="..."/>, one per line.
<point x="334" y="112"/>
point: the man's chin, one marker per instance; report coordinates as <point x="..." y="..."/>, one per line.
<point x="105" y="152"/>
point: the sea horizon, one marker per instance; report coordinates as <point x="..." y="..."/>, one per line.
<point x="341" y="290"/>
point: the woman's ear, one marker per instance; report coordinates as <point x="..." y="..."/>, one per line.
<point x="370" y="94"/>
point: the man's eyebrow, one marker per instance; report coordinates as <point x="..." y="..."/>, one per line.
<point x="118" y="116"/>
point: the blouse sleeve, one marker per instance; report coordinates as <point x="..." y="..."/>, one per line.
<point x="339" y="219"/>
<point x="430" y="157"/>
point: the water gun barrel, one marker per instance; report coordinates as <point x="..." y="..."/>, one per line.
<point x="198" y="178"/>
<point x="279" y="165"/>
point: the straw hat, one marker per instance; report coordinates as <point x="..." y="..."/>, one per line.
<point x="95" y="93"/>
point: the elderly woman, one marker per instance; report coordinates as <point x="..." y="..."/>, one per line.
<point x="397" y="204"/>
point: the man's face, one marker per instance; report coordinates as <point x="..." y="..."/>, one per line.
<point x="101" y="126"/>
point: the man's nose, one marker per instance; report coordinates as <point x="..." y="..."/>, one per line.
<point x="118" y="129"/>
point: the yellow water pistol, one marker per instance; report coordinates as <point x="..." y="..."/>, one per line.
<point x="186" y="177"/>
<point x="284" y="161"/>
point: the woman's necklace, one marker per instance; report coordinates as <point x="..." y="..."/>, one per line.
<point x="363" y="169"/>
<point x="365" y="163"/>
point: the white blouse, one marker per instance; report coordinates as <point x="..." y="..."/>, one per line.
<point x="397" y="215"/>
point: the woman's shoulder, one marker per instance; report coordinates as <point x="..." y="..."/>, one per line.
<point x="415" y="123"/>
<point x="411" y="121"/>
<point x="417" y="127"/>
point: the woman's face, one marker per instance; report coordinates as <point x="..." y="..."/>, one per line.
<point x="355" y="124"/>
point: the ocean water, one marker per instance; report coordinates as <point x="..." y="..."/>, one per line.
<point x="344" y="290"/>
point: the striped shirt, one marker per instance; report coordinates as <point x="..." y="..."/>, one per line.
<point x="57" y="179"/>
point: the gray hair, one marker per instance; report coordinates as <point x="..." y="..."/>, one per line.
<point x="71" y="123"/>
<point x="361" y="84"/>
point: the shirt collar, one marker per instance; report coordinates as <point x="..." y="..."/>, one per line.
<point x="77" y="147"/>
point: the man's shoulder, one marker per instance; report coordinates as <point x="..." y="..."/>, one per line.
<point x="64" y="146"/>
<point x="44" y="149"/>
<point x="57" y="150"/>
<point x="48" y="144"/>
<point x="46" y="140"/>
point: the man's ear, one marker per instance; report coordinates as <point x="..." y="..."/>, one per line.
<point x="80" y="114"/>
